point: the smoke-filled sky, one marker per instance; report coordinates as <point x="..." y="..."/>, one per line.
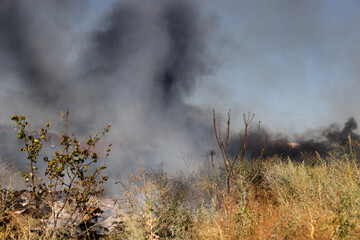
<point x="156" y="69"/>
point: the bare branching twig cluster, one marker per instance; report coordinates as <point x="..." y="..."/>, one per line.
<point x="234" y="162"/>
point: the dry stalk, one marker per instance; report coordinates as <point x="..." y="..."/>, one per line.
<point x="230" y="162"/>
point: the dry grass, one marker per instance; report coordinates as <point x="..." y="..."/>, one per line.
<point x="292" y="201"/>
<point x="288" y="201"/>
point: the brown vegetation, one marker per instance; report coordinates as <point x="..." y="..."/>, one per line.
<point x="228" y="197"/>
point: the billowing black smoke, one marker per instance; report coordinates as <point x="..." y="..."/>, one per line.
<point x="146" y="57"/>
<point x="133" y="70"/>
<point x="180" y="48"/>
<point x="341" y="136"/>
<point x="323" y="142"/>
<point x="32" y="35"/>
<point x="15" y="40"/>
<point x="333" y="138"/>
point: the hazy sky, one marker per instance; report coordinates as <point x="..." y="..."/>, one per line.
<point x="296" y="64"/>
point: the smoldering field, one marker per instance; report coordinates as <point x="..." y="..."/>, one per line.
<point x="133" y="67"/>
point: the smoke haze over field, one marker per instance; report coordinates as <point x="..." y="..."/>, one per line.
<point x="155" y="69"/>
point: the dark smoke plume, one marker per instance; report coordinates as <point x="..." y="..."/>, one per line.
<point x="15" y="39"/>
<point x="335" y="137"/>
<point x="330" y="139"/>
<point x="334" y="134"/>
<point x="132" y="70"/>
<point x="170" y="38"/>
<point x="32" y="41"/>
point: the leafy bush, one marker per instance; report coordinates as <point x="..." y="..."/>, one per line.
<point x="72" y="174"/>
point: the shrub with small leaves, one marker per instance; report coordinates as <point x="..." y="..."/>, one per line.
<point x="72" y="175"/>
